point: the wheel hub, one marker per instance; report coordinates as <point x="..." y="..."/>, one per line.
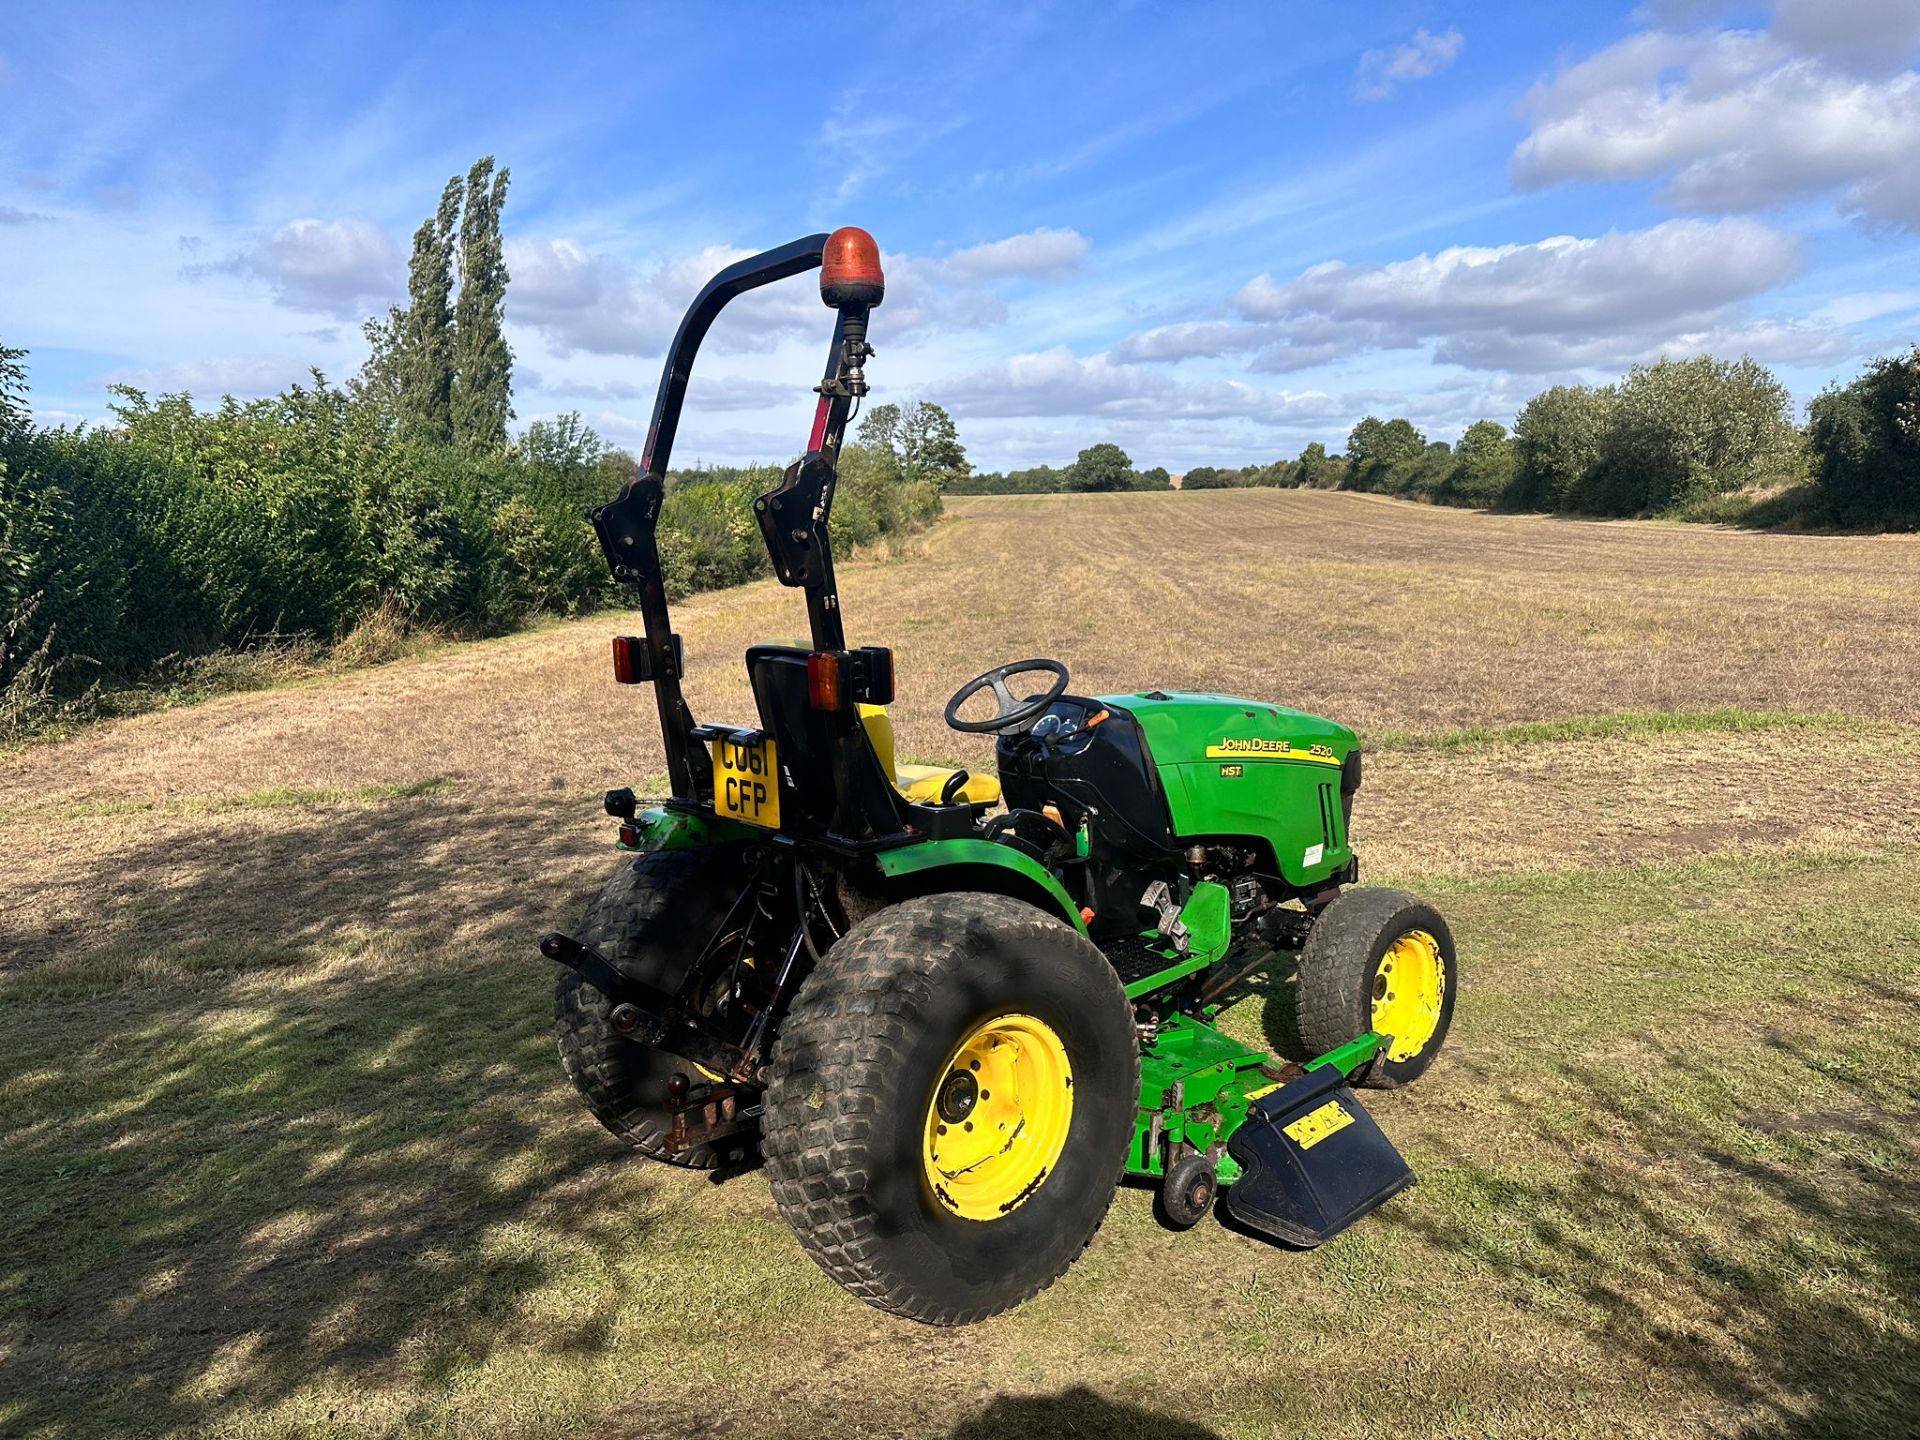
<point x="959" y="1093"/>
<point x="1409" y="987"/>
<point x="998" y="1117"/>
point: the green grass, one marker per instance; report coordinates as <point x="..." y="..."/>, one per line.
<point x="1627" y="725"/>
<point x="1667" y="1188"/>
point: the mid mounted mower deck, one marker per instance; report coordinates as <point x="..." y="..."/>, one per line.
<point x="952" y="1012"/>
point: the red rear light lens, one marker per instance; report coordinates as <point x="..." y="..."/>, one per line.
<point x="824" y="690"/>
<point x="629" y="659"/>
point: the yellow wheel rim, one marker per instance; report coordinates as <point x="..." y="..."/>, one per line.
<point x="998" y="1116"/>
<point x="1409" y="985"/>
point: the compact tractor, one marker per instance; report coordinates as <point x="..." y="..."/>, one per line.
<point x="952" y="1012"/>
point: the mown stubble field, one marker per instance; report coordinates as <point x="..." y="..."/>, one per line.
<point x="288" y="1152"/>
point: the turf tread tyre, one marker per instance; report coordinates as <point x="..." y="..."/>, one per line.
<point x="643" y="921"/>
<point x="1336" y="977"/>
<point x="845" y="1067"/>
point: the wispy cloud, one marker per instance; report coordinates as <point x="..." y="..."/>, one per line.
<point x="865" y="143"/>
<point x="1381" y="72"/>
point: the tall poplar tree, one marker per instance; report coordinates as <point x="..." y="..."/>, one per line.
<point x="483" y="364"/>
<point x="425" y="359"/>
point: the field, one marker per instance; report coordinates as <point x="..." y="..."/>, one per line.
<point x="288" y="1152"/>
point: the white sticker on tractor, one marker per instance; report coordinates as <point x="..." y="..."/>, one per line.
<point x="1312" y="857"/>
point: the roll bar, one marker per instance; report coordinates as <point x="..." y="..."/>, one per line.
<point x="793" y="515"/>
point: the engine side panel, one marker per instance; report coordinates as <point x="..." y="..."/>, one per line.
<point x="1234" y="767"/>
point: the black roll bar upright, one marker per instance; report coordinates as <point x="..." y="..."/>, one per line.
<point x="793" y="516"/>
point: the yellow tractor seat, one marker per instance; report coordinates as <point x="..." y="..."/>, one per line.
<point x="921" y="784"/>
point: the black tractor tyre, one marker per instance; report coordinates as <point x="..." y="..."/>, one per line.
<point x="1340" y="965"/>
<point x="852" y="1097"/>
<point x="1187" y="1192"/>
<point x="651" y="920"/>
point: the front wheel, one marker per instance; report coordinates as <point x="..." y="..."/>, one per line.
<point x="950" y="1105"/>
<point x="1379" y="960"/>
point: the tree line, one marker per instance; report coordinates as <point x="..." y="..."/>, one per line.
<point x="1102" y="467"/>
<point x="1699" y="439"/>
<point x="338" y="517"/>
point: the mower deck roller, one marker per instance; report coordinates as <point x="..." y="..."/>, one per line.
<point x="952" y="1011"/>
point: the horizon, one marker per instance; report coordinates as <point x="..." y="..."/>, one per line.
<point x="1211" y="237"/>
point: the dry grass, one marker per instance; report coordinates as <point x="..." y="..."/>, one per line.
<point x="1383" y="614"/>
<point x="288" y="1152"/>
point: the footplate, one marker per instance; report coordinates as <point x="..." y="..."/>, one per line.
<point x="1313" y="1161"/>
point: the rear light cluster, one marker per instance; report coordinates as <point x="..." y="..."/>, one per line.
<point x="632" y="664"/>
<point x="839" y="678"/>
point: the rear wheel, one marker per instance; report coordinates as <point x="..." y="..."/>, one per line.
<point x="1379" y="960"/>
<point x="950" y="1105"/>
<point x="652" y="920"/>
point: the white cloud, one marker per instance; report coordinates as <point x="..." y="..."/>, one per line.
<point x="243" y="376"/>
<point x="1043" y="254"/>
<point x="584" y="301"/>
<point x="1739" y="120"/>
<point x="1193" y="339"/>
<point x="344" y="268"/>
<point x="1522" y="354"/>
<point x="614" y="391"/>
<point x="1563" y="282"/>
<point x="1059" y="382"/>
<point x="1863" y="35"/>
<point x="1557" y="303"/>
<point x="1381" y="72"/>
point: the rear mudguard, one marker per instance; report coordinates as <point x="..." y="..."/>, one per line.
<point x="663" y="829"/>
<point x="1312" y="1161"/>
<point x="936" y="866"/>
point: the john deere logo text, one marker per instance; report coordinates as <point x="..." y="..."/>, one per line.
<point x="1232" y="747"/>
<point x="1251" y="747"/>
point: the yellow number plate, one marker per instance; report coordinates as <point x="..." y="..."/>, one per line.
<point x="745" y="782"/>
<point x="1316" y="1125"/>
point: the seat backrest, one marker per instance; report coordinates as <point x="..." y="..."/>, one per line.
<point x="831" y="778"/>
<point x="879" y="735"/>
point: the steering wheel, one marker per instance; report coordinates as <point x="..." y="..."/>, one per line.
<point x="1014" y="715"/>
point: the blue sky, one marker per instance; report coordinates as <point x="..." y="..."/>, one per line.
<point x="1211" y="232"/>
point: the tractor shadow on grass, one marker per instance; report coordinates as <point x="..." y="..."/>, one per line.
<point x="1077" y="1412"/>
<point x="1786" y="1287"/>
<point x="287" y="1115"/>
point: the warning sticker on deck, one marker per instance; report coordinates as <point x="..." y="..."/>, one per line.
<point x="1316" y="1125"/>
